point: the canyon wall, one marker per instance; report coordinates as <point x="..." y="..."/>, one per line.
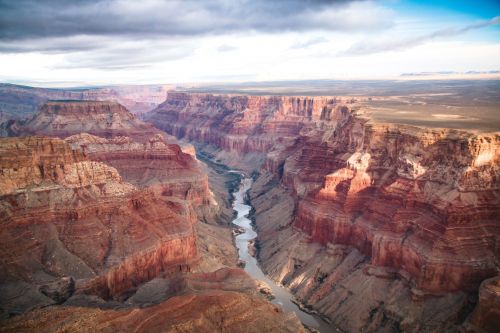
<point x="65" y="215"/>
<point x="395" y="220"/>
<point x="222" y="301"/>
<point x="100" y="230"/>
<point x="65" y="118"/>
<point x="18" y="102"/>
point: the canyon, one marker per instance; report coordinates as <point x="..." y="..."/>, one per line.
<point x="123" y="222"/>
<point x="107" y="221"/>
<point x="377" y="226"/>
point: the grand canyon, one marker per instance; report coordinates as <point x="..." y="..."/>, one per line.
<point x="110" y="220"/>
<point x="249" y="166"/>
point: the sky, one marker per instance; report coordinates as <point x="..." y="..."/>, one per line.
<point x="79" y="42"/>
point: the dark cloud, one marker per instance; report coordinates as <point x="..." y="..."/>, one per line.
<point x="39" y="19"/>
<point x="395" y="44"/>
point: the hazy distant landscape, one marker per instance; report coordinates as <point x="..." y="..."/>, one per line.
<point x="461" y="104"/>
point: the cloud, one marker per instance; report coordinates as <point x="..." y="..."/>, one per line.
<point x="55" y="44"/>
<point x="310" y="42"/>
<point x="226" y="48"/>
<point x="366" y="47"/>
<point x="128" y="55"/>
<point x="37" y="19"/>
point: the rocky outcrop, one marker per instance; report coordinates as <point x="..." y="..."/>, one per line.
<point x="240" y="123"/>
<point x="19" y="102"/>
<point x="64" y="215"/>
<point x="387" y="207"/>
<point x="65" y="118"/>
<point x="225" y="300"/>
<point x="409" y="199"/>
<point x="157" y="165"/>
<point x="486" y="316"/>
<point x="109" y="133"/>
<point x="209" y="311"/>
<point x="59" y="290"/>
<point x="109" y="222"/>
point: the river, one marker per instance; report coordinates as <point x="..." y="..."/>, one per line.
<point x="282" y="296"/>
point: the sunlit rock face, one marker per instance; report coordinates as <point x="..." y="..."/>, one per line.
<point x="65" y="215"/>
<point x="156" y="164"/>
<point x="375" y="202"/>
<point x="108" y="221"/>
<point x="409" y="198"/>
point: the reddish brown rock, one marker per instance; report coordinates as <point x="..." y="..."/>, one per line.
<point x="420" y="205"/>
<point x="143" y="155"/>
<point x="65" y="118"/>
<point x="486" y="316"/>
<point x="239" y="123"/>
<point x="19" y="102"/>
<point x="210" y="311"/>
<point x="64" y="215"/>
<point x="154" y="164"/>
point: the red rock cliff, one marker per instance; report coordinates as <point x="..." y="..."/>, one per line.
<point x="65" y="118"/>
<point x="64" y="215"/>
<point x="424" y="203"/>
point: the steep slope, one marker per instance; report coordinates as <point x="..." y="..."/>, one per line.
<point x="65" y="118"/>
<point x="18" y="102"/>
<point x="108" y="223"/>
<point x="394" y="221"/>
<point x="64" y="215"/>
<point x="208" y="312"/>
<point x="156" y="164"/>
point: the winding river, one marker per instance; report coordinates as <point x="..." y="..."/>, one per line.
<point x="282" y="296"/>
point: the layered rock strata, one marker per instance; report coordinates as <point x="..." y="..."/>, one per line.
<point x="64" y="215"/>
<point x="65" y="118"/>
<point x="19" y="102"/>
<point x="108" y="223"/>
<point x="155" y="164"/>
<point x="380" y="207"/>
<point x="210" y="306"/>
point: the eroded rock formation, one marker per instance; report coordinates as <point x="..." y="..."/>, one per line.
<point x="155" y="164"/>
<point x="64" y="215"/>
<point x="393" y="220"/>
<point x="65" y="118"/>
<point x="212" y="307"/>
<point x="96" y="226"/>
<point x="18" y="102"/>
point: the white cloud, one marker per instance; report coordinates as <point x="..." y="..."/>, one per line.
<point x="248" y="54"/>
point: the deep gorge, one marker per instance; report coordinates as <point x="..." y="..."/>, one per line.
<point x="367" y="223"/>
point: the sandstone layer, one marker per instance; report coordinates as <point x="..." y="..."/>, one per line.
<point x="100" y="231"/>
<point x="393" y="220"/>
<point x="19" y="102"/>
<point x="64" y="215"/>
<point x="65" y="118"/>
<point x="156" y="164"/>
<point x="205" y="310"/>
